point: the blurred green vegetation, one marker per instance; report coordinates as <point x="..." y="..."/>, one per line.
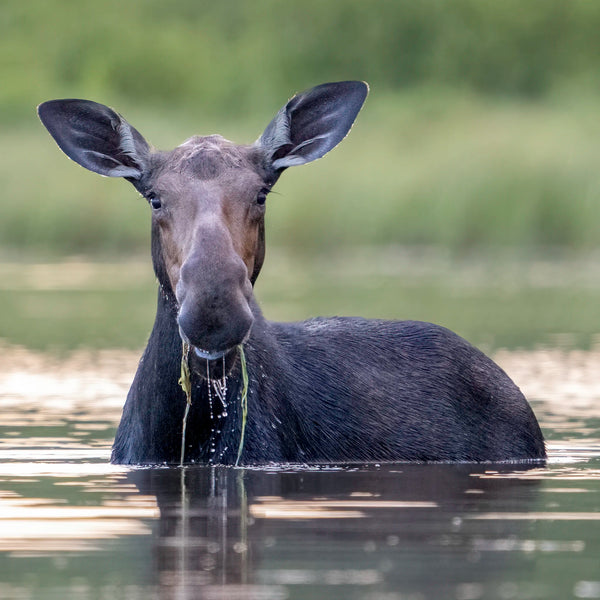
<point x="481" y="128"/>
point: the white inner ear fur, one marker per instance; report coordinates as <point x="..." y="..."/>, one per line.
<point x="118" y="170"/>
<point x="292" y="159"/>
<point x="279" y="135"/>
<point x="128" y="146"/>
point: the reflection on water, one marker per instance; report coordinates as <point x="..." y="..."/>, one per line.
<point x="74" y="526"/>
<point x="38" y="527"/>
<point x="333" y="529"/>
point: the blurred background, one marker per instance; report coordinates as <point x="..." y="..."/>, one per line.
<point x="467" y="193"/>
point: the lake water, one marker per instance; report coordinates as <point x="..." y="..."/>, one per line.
<point x="74" y="526"/>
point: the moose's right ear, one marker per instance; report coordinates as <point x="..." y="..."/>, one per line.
<point x="96" y="137"/>
<point x="312" y="123"/>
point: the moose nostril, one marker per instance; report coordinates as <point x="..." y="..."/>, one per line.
<point x="246" y="285"/>
<point x="247" y="288"/>
<point x="186" y="274"/>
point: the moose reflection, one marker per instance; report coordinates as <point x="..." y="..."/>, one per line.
<point x="236" y="533"/>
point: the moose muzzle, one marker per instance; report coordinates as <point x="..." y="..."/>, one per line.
<point x="213" y="293"/>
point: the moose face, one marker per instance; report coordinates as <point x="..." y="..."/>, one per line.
<point x="207" y="198"/>
<point x="208" y="201"/>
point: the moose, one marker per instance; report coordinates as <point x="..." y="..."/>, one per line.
<point x="220" y="384"/>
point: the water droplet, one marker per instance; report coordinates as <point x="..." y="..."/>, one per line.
<point x="370" y="546"/>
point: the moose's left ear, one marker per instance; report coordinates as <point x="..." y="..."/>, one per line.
<point x="96" y="137"/>
<point x="312" y="123"/>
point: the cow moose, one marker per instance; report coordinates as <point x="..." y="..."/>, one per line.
<point x="220" y="384"/>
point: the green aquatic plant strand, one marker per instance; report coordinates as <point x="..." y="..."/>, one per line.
<point x="186" y="385"/>
<point x="244" y="402"/>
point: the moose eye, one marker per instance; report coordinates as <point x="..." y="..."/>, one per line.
<point x="155" y="202"/>
<point x="262" y="197"/>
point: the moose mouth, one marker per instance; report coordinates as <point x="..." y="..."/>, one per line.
<point x="208" y="355"/>
<point x="201" y="352"/>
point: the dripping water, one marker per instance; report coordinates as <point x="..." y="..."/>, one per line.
<point x="218" y="387"/>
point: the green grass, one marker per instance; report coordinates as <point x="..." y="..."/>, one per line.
<point x="455" y="171"/>
<point x="429" y="167"/>
<point x="481" y="128"/>
<point x="214" y="57"/>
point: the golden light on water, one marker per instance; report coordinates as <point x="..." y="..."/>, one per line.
<point x="536" y="516"/>
<point x="38" y="526"/>
<point x="69" y="406"/>
<point x="280" y="508"/>
<point x="78" y="467"/>
<point x="40" y="388"/>
<point x="567" y="379"/>
<point x="75" y="275"/>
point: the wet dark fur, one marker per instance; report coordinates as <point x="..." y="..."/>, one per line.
<point x="327" y="390"/>
<point x="316" y="394"/>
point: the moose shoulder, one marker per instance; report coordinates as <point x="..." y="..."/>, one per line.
<point x="325" y="390"/>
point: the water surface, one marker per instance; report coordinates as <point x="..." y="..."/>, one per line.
<point x="73" y="526"/>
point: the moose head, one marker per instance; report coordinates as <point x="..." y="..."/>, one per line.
<point x="208" y="198"/>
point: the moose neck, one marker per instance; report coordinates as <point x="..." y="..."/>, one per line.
<point x="156" y="403"/>
<point x="213" y="425"/>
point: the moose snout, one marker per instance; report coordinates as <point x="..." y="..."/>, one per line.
<point x="214" y="314"/>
